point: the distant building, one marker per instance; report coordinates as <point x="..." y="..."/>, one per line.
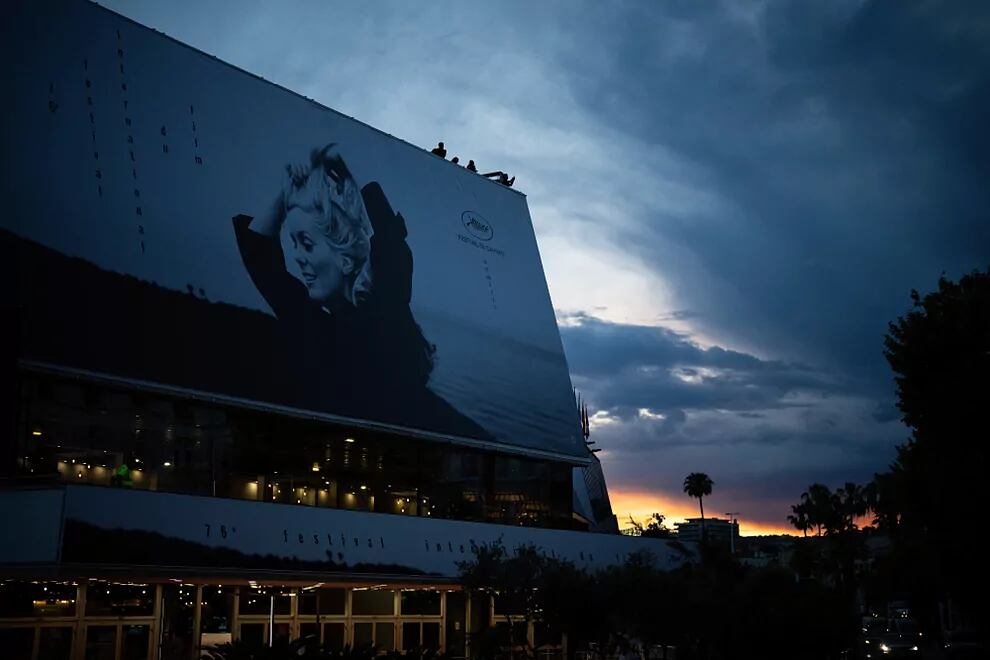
<point x="768" y="550"/>
<point x="718" y="530"/>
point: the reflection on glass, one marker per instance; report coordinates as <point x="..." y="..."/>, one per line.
<point x="364" y="635"/>
<point x="431" y="635"/>
<point x="420" y="602"/>
<point x="96" y="434"/>
<point x="410" y="636"/>
<point x="280" y="633"/>
<point x="372" y="602"/>
<point x="134" y="645"/>
<point x="331" y="601"/>
<point x="384" y="636"/>
<point x="177" y="621"/>
<point x="20" y="598"/>
<point x="55" y="643"/>
<point x="253" y="633"/>
<point x="217" y="610"/>
<point x="112" y="598"/>
<point x="18" y="642"/>
<point x="259" y="600"/>
<point x="101" y="642"/>
<point x="333" y="636"/>
<point x="308" y="630"/>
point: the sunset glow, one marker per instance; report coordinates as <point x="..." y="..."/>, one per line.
<point x="677" y="508"/>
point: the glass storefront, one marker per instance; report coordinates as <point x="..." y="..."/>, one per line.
<point x="115" y="620"/>
<point x="75" y="431"/>
<point x="65" y="620"/>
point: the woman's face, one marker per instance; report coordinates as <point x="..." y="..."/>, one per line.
<point x="319" y="265"/>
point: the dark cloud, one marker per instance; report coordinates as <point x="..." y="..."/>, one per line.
<point x="764" y="429"/>
<point x="785" y="172"/>
<point x="627" y="368"/>
<point x="847" y="140"/>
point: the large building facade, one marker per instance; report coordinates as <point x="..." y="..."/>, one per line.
<point x="266" y="372"/>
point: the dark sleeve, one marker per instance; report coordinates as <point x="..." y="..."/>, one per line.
<point x="265" y="263"/>
<point x="391" y="258"/>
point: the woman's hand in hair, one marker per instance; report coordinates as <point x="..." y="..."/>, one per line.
<point x="269" y="224"/>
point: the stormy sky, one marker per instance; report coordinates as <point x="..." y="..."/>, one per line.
<point x="731" y="199"/>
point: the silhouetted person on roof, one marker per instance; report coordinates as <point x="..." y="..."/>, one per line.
<point x="439" y="150"/>
<point x="471" y="166"/>
<point x="502" y="177"/>
<point x="455" y="160"/>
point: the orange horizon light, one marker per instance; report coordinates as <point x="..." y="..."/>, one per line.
<point x="642" y="504"/>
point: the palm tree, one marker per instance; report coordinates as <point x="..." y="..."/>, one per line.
<point x="852" y="504"/>
<point x="698" y="484"/>
<point x="821" y="507"/>
<point x="800" y="518"/>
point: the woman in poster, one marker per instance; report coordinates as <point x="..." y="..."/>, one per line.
<point x="358" y="349"/>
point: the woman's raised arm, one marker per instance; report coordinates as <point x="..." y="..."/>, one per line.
<point x="269" y="224"/>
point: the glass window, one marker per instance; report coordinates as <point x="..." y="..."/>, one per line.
<point x="431" y="635"/>
<point x="331" y="601"/>
<point x="37" y="599"/>
<point x="259" y="601"/>
<point x="421" y="602"/>
<point x="217" y="610"/>
<point x="364" y="635"/>
<point x="333" y="636"/>
<point x="90" y="433"/>
<point x="455" y="610"/>
<point x="55" y="643"/>
<point x="308" y="630"/>
<point x="253" y="633"/>
<point x="508" y="604"/>
<point x="410" y="636"/>
<point x="101" y="642"/>
<point x="112" y="598"/>
<point x="17" y="642"/>
<point x="280" y="633"/>
<point x="372" y="602"/>
<point x="177" y="621"/>
<point x="544" y="636"/>
<point x="134" y="645"/>
<point x="384" y="636"/>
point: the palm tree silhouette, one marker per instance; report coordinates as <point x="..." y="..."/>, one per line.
<point x="698" y="484"/>
<point x="821" y="506"/>
<point x="852" y="504"/>
<point x="799" y="518"/>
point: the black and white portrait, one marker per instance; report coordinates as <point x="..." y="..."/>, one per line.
<point x="330" y="257"/>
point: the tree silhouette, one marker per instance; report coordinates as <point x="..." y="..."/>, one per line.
<point x="852" y="505"/>
<point x="655" y="527"/>
<point x="698" y="484"/>
<point x="799" y="518"/>
<point x="821" y="507"/>
<point x="940" y="355"/>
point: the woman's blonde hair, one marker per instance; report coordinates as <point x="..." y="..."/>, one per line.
<point x="338" y="210"/>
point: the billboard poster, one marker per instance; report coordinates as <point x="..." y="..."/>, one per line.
<point x="178" y="222"/>
<point x="140" y="528"/>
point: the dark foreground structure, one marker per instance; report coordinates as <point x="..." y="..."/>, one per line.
<point x="265" y="372"/>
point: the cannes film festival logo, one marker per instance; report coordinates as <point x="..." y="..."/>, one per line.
<point x="478" y="226"/>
